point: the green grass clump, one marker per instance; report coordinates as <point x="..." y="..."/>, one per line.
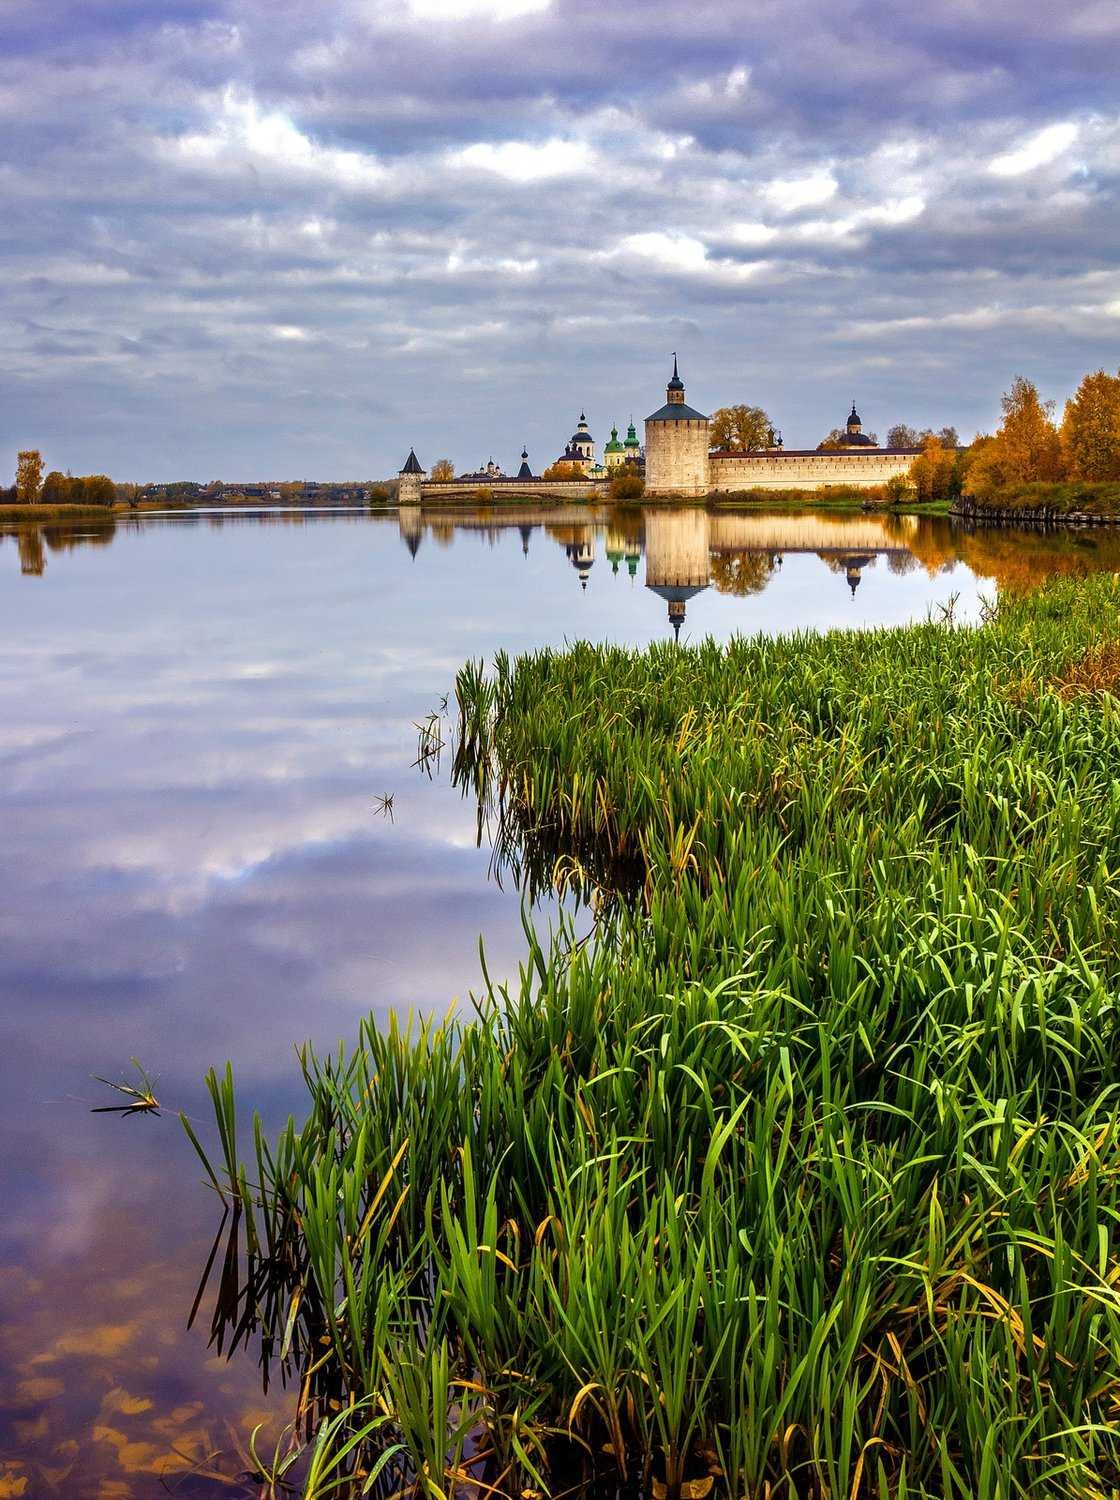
<point x="803" y="1178"/>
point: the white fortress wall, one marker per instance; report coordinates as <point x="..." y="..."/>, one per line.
<point x="787" y="471"/>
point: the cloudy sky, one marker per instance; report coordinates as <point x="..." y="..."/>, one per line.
<point x="256" y="238"/>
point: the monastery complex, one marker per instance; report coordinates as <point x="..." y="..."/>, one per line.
<point x="678" y="462"/>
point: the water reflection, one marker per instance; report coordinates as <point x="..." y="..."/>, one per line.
<point x="197" y="714"/>
<point x="687" y="550"/>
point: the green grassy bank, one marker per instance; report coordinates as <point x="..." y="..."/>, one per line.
<point x="803" y="1178"/>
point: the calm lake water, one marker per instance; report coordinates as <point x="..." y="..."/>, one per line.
<point x="198" y="715"/>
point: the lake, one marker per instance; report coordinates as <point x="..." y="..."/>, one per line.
<point x="201" y="716"/>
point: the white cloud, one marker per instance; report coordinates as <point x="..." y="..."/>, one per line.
<point x="289" y="332"/>
<point x="1037" y="150"/>
<point x="245" y="135"/>
<point x="683" y="254"/>
<point x="524" y="161"/>
<point x="753" y="233"/>
<point x="470" y="10"/>
<point x="676" y="252"/>
<point x="788" y="194"/>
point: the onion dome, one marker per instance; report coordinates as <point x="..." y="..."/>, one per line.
<point x="676" y="384"/>
<point x="632" y="436"/>
<point x="614" y="446"/>
<point x="524" y="472"/>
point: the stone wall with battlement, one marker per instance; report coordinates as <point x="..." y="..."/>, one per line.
<point x="807" y="470"/>
<point x="516" y="489"/>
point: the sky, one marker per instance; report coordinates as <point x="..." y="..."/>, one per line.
<point x="258" y="239"/>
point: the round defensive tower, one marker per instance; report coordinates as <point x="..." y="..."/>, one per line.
<point x="676" y="445"/>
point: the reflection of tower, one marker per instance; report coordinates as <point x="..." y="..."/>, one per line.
<point x="526" y="532"/>
<point x="854" y="564"/>
<point x="616" y="547"/>
<point x="32" y="558"/>
<point x="581" y="555"/>
<point x="677" y="558"/>
<point x="411" y="527"/>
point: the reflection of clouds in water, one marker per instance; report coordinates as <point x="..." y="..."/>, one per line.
<point x="106" y="1393"/>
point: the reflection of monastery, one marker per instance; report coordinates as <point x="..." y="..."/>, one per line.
<point x="678" y="461"/>
<point x="686" y="549"/>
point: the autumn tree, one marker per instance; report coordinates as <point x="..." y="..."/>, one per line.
<point x="932" y="472"/>
<point x="1091" y="428"/>
<point x="901" y="435"/>
<point x="29" y="475"/>
<point x="98" y="489"/>
<point x="740" y="429"/>
<point x="56" y="488"/>
<point x="1025" y="450"/>
<point x="443" y="470"/>
<point x="563" y="471"/>
<point x="627" y="483"/>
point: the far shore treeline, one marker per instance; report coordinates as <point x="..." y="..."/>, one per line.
<point x="1032" y="463"/>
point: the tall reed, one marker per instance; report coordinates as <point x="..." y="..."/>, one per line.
<point x="803" y="1177"/>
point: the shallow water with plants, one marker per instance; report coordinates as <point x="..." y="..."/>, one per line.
<point x="217" y="845"/>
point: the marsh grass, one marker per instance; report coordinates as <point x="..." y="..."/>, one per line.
<point x="803" y="1178"/>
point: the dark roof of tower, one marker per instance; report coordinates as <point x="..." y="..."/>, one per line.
<point x="581" y="437"/>
<point x="412" y="463"/>
<point x="854" y="416"/>
<point x="676" y="411"/>
<point x="676" y="384"/>
<point x="524" y="472"/>
<point x="859" y="440"/>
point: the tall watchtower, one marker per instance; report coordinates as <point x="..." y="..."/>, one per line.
<point x="676" y="445"/>
<point x="411" y="477"/>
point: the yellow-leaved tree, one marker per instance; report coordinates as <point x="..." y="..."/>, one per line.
<point x="932" y="472"/>
<point x="29" y="475"/>
<point x="1091" y="428"/>
<point x="1025" y="450"/>
<point x="740" y="429"/>
<point x="443" y="471"/>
